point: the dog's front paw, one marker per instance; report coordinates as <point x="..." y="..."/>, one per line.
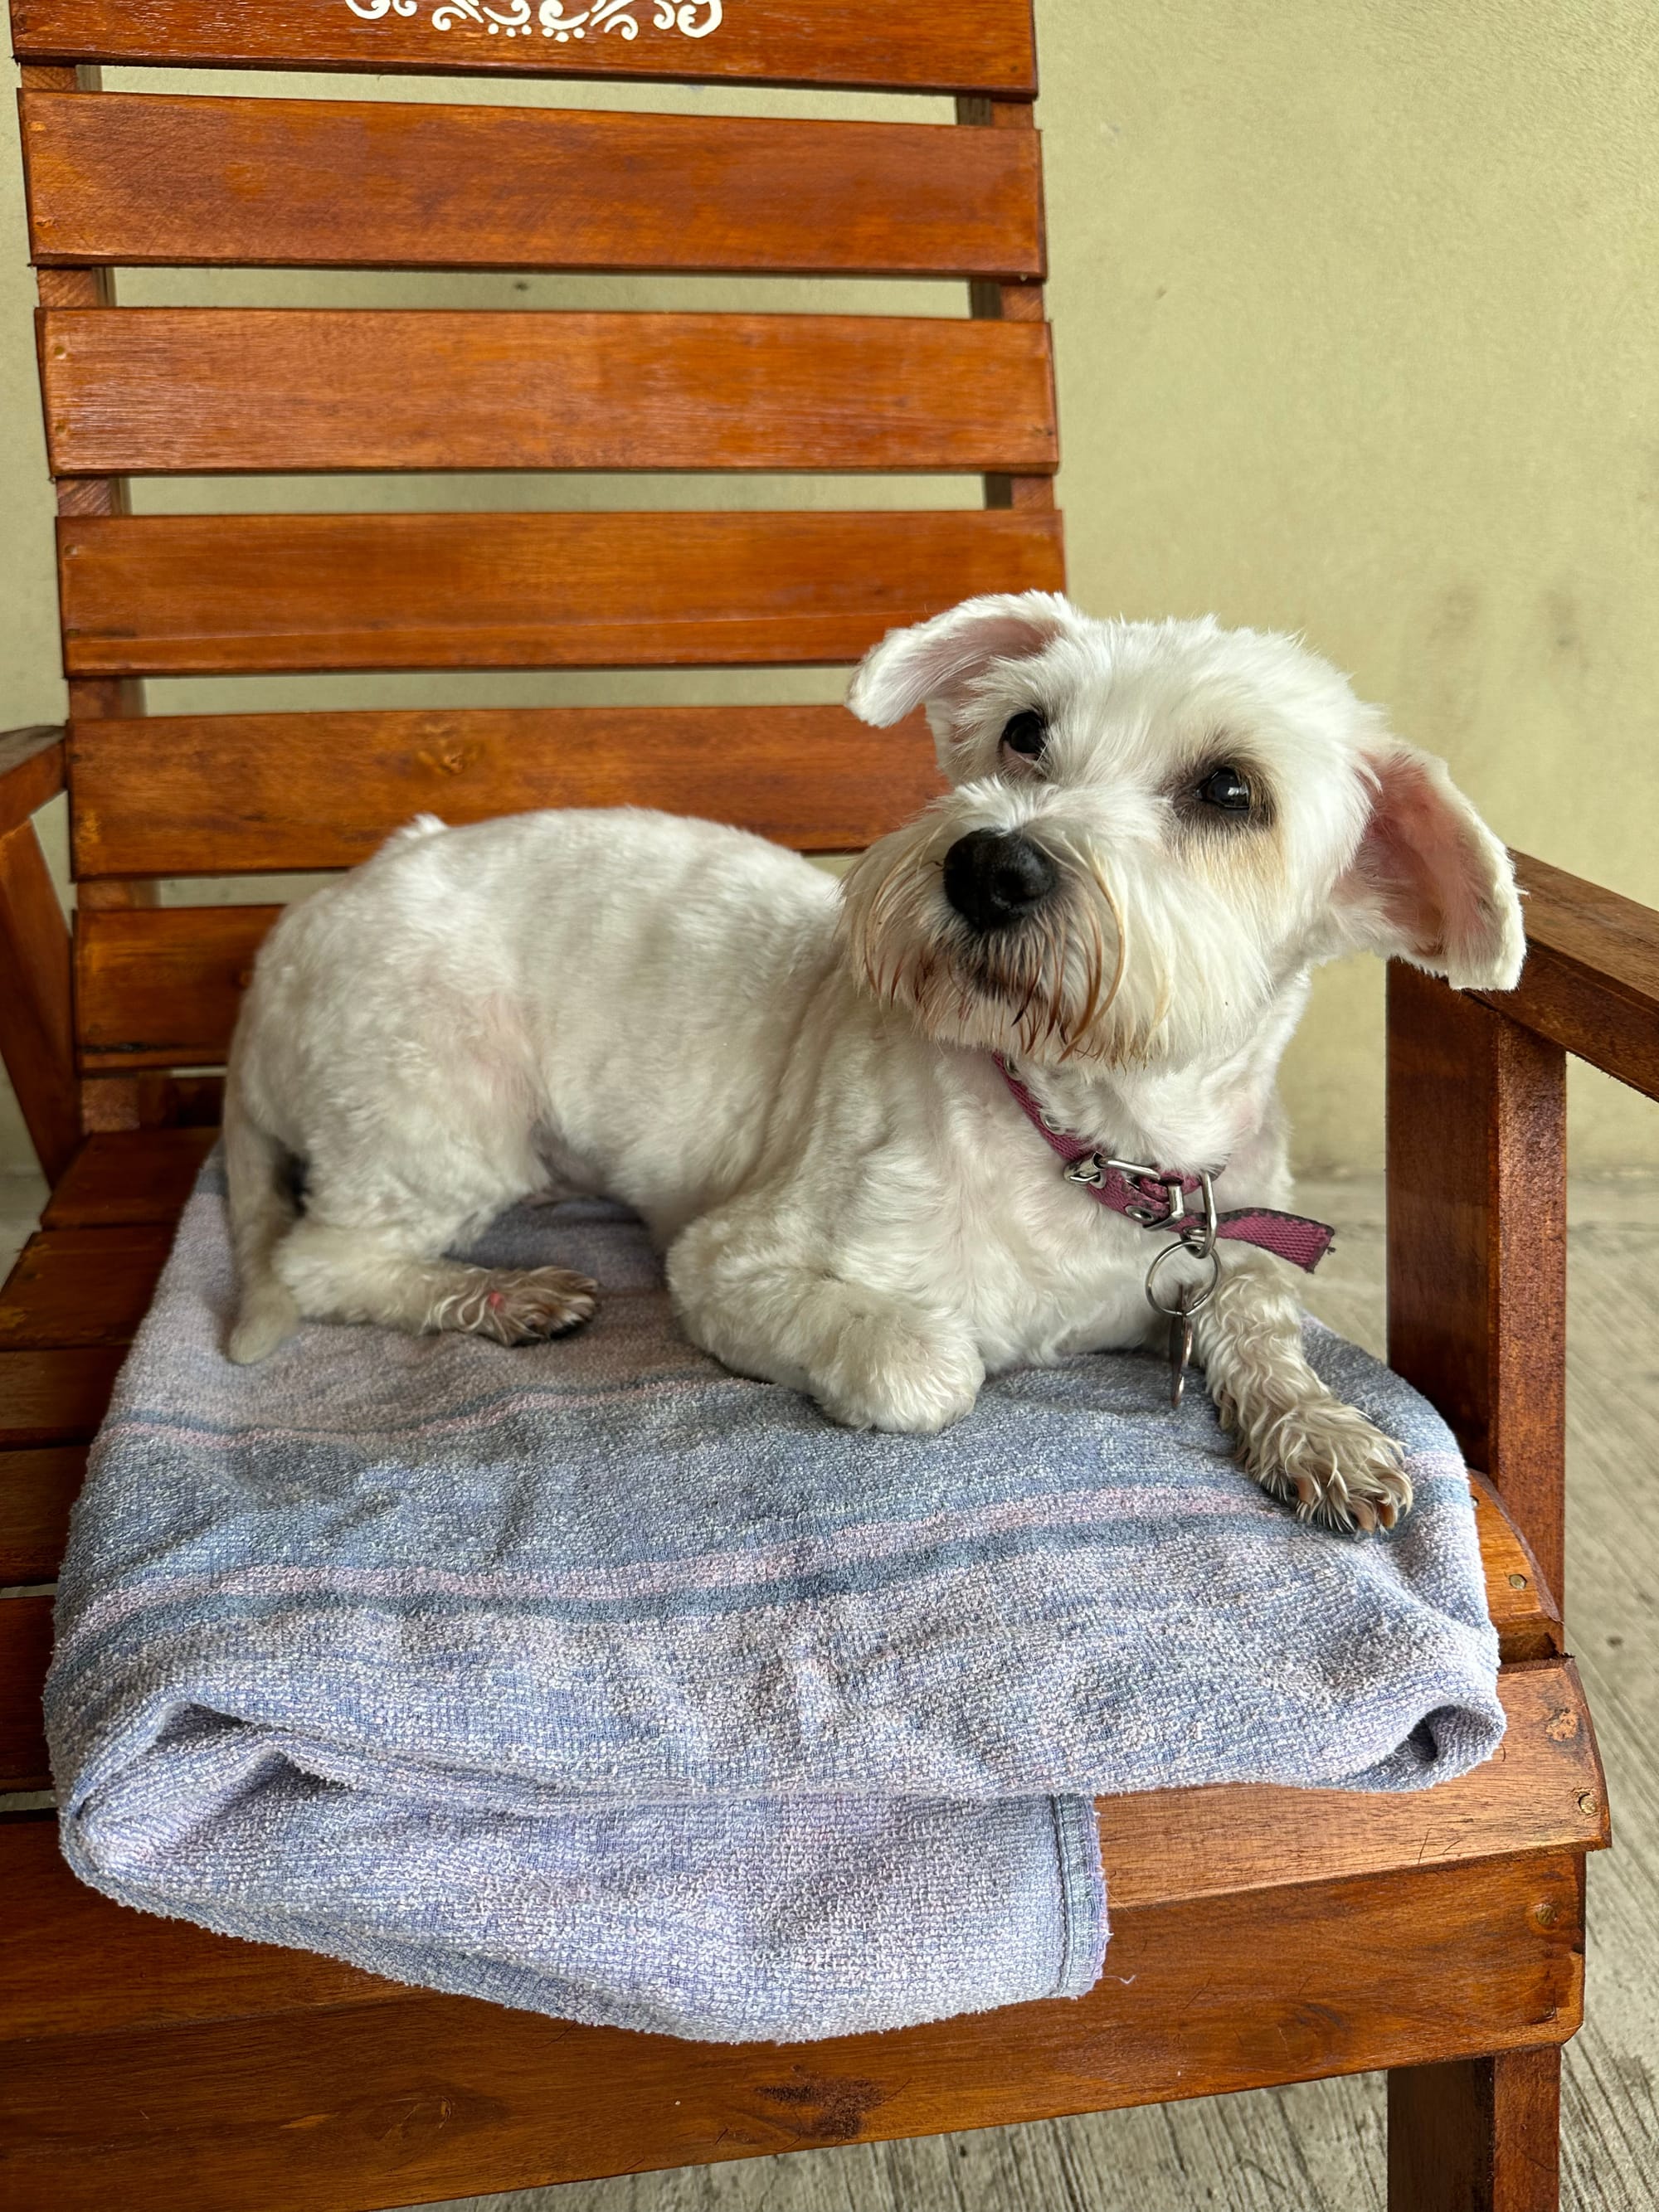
<point x="1333" y="1464"/>
<point x="887" y="1375"/>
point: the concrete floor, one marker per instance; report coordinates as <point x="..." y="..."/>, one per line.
<point x="1319" y="2148"/>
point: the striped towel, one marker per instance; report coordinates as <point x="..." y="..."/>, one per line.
<point x="591" y="1678"/>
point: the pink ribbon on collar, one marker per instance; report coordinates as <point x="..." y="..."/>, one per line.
<point x="1156" y="1199"/>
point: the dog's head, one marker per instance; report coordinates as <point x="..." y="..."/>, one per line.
<point x="1152" y="828"/>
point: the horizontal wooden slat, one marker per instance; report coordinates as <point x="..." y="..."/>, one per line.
<point x="971" y="46"/>
<point x="25" y="1648"/>
<point x="128" y="1176"/>
<point x="55" y="1397"/>
<point x="82" y="1286"/>
<point x="237" y="794"/>
<point x="340" y="2109"/>
<point x="1591" y="980"/>
<point x="65" y="1950"/>
<point x="37" y="1489"/>
<point x="341" y="183"/>
<point x="216" y="594"/>
<point x="160" y="986"/>
<point x="200" y="392"/>
<point x="1545" y="1792"/>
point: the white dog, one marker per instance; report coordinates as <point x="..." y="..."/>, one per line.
<point x="1153" y="832"/>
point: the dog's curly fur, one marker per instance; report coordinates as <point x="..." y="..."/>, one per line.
<point x="794" y="1081"/>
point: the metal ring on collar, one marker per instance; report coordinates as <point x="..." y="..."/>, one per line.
<point x="1204" y="1297"/>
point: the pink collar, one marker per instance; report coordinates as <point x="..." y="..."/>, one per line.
<point x="1157" y="1197"/>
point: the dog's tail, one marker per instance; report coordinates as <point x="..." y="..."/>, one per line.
<point x="261" y="1212"/>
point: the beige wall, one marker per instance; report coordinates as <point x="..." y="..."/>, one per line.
<point x="1357" y="323"/>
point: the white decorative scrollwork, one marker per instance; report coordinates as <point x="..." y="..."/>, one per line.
<point x="520" y="19"/>
<point x="555" y="24"/>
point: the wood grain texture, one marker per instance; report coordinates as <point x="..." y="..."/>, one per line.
<point x="206" y="594"/>
<point x="25" y="1650"/>
<point x="31" y="773"/>
<point x="205" y="391"/>
<point x="1544" y="1792"/>
<point x="140" y="1175"/>
<point x="55" y="1397"/>
<point x="37" y="1489"/>
<point x="1591" y="980"/>
<point x="369" y="2106"/>
<point x="344" y="184"/>
<point x="151" y="1972"/>
<point x="151" y="1102"/>
<point x="89" y="698"/>
<point x="238" y="794"/>
<point x="88" y="287"/>
<point x="1006" y="122"/>
<point x="36" y="1013"/>
<point x="162" y="987"/>
<point x="82" y="1286"/>
<point x="972" y="46"/>
<point x="1477" y="1240"/>
<point x="1523" y="1607"/>
<point x="1478" y="2135"/>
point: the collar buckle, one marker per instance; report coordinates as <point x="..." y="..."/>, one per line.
<point x="1147" y="1212"/>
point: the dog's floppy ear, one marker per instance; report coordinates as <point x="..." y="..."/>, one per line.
<point x="935" y="661"/>
<point x="1430" y="883"/>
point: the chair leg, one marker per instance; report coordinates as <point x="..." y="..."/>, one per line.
<point x="1477" y="2135"/>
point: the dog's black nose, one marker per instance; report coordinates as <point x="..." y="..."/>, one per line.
<point x="995" y="876"/>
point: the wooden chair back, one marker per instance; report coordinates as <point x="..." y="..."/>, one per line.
<point x="126" y="179"/>
<point x="128" y="2042"/>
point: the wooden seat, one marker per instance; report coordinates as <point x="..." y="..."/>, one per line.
<point x="1259" y="1935"/>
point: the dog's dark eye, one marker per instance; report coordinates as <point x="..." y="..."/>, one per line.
<point x="1227" y="788"/>
<point x="1027" y="733"/>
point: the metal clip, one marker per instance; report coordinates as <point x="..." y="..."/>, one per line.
<point x="1198" y="1240"/>
<point x="1199" y="1236"/>
<point x="1088" y="1171"/>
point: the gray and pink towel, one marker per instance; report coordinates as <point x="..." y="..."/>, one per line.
<point x="592" y="1678"/>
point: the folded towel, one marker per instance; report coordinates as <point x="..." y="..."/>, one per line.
<point x="593" y="1679"/>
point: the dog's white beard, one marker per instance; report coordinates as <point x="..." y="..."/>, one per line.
<point x="1117" y="966"/>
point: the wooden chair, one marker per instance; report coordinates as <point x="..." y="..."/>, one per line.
<point x="1259" y="1935"/>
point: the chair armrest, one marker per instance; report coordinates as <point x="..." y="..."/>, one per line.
<point x="37" y="1030"/>
<point x="31" y="773"/>
<point x="1591" y="980"/>
<point x="1477" y="1176"/>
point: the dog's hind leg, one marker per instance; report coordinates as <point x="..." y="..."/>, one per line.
<point x="261" y="1212"/>
<point x="385" y="1276"/>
